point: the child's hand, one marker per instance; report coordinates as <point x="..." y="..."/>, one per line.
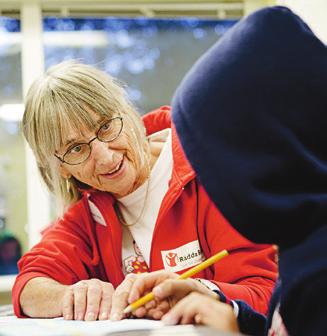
<point x="167" y="289"/>
<point x="201" y="309"/>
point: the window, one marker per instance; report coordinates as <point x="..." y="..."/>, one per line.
<point x="13" y="213"/>
<point x="149" y="55"/>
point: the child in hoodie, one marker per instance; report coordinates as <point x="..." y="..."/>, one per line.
<point x="252" y="118"/>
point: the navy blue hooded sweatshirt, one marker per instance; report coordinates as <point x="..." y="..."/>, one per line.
<point x="252" y="118"/>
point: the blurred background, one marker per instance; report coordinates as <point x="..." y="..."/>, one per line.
<point x="149" y="45"/>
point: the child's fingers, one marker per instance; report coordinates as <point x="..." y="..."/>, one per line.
<point x="150" y="305"/>
<point x="174" y="288"/>
<point x="145" y="283"/>
<point x="205" y="310"/>
<point x="140" y="312"/>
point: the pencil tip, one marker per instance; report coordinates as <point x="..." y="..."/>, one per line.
<point x="127" y="310"/>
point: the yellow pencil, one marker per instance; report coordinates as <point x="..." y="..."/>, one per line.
<point x="196" y="269"/>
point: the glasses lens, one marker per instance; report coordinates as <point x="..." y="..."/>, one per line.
<point x="110" y="130"/>
<point x="77" y="154"/>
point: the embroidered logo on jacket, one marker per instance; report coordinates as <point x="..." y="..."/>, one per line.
<point x="171" y="259"/>
<point x="183" y="257"/>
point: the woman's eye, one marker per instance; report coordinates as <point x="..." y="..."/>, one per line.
<point x="106" y="126"/>
<point x="76" y="149"/>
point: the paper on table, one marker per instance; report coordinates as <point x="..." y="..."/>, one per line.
<point x="12" y="326"/>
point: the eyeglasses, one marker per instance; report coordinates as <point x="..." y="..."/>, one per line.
<point x="80" y="152"/>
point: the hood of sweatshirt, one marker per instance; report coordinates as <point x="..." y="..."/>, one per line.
<point x="251" y="115"/>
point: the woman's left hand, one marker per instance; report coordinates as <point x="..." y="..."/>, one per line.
<point x="201" y="309"/>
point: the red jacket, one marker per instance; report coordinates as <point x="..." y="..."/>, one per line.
<point x="77" y="247"/>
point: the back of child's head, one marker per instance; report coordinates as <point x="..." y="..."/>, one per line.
<point x="252" y="118"/>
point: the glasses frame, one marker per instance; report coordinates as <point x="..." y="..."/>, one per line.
<point x="62" y="159"/>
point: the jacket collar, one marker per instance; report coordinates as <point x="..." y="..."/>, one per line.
<point x="158" y="120"/>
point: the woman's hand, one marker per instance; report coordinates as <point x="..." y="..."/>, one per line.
<point x="87" y="300"/>
<point x="201" y="309"/>
<point x="167" y="289"/>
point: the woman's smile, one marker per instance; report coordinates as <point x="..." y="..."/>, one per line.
<point x="117" y="171"/>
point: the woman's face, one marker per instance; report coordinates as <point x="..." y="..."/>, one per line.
<point x="111" y="166"/>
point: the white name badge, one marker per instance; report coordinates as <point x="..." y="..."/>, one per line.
<point x="183" y="257"/>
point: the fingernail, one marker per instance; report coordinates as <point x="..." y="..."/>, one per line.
<point x="90" y="316"/>
<point x="157" y="291"/>
<point x="169" y="320"/>
<point x="197" y="319"/>
<point x="104" y="316"/>
<point x="80" y="317"/>
<point x="68" y="317"/>
<point x="115" y="317"/>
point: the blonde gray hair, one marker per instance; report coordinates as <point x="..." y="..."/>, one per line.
<point x="61" y="101"/>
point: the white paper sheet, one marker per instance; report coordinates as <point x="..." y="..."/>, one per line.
<point x="12" y="326"/>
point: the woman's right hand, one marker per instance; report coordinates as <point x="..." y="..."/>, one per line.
<point x="87" y="300"/>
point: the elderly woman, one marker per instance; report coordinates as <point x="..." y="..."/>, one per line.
<point x="131" y="201"/>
